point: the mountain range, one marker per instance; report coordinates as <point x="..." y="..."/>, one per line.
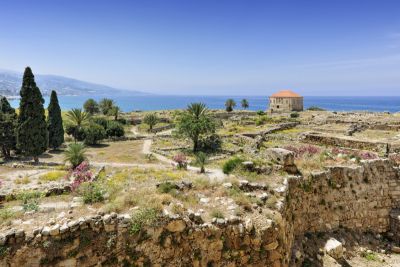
<point x="11" y="81"/>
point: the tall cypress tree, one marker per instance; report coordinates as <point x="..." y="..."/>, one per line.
<point x="32" y="136"/>
<point x="54" y="122"/>
<point x="8" y="119"/>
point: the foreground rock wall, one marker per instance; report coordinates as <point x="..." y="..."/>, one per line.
<point x="359" y="198"/>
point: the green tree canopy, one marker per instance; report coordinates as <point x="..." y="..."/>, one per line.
<point x="150" y="119"/>
<point x="230" y="104"/>
<point x="8" y="120"/>
<point x="91" y="106"/>
<point x="78" y="119"/>
<point x="55" y="122"/>
<point x="245" y="103"/>
<point x="106" y="105"/>
<point x="32" y="135"/>
<point x="194" y="123"/>
<point x="114" y="111"/>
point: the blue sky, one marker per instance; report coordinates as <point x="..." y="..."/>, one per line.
<point x="219" y="47"/>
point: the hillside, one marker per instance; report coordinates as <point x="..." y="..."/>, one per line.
<point x="10" y="84"/>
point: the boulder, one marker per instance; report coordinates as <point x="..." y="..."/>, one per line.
<point x="334" y="248"/>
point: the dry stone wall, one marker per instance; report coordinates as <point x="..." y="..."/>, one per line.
<point x="360" y="198"/>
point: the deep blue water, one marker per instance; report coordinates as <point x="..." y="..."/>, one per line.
<point x="157" y="102"/>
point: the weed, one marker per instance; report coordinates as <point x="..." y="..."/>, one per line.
<point x="91" y="192"/>
<point x="217" y="214"/>
<point x="231" y="164"/>
<point x="23" y="180"/>
<point x="144" y="217"/>
<point x="52" y="176"/>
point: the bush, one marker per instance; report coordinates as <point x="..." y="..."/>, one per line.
<point x="80" y="174"/>
<point x="260" y="112"/>
<point x="114" y="129"/>
<point x="181" y="160"/>
<point x="73" y="130"/>
<point x="123" y="121"/>
<point x="262" y="120"/>
<point x="75" y="154"/>
<point x="294" y="115"/>
<point x="91" y="192"/>
<point x="100" y="121"/>
<point x="94" y="133"/>
<point x="166" y="187"/>
<point x="144" y="217"/>
<point x="231" y="164"/>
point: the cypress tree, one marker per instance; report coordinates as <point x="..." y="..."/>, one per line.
<point x="54" y="122"/>
<point x="8" y="119"/>
<point x="32" y="136"/>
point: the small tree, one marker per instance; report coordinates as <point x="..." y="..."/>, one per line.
<point x="114" y="111"/>
<point x="78" y="119"/>
<point x="201" y="160"/>
<point x="94" y="133"/>
<point x="8" y="120"/>
<point x="55" y="122"/>
<point x="91" y="106"/>
<point x="32" y="135"/>
<point x="194" y="123"/>
<point x="106" y="105"/>
<point x="245" y="103"/>
<point x="230" y="104"/>
<point x="150" y="119"/>
<point x="114" y="129"/>
<point x="75" y="154"/>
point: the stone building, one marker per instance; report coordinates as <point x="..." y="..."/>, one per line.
<point x="285" y="101"/>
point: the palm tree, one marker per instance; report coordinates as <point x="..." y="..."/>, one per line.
<point x="201" y="160"/>
<point x="150" y="119"/>
<point x="75" y="154"/>
<point x="245" y="103"/>
<point x="197" y="109"/>
<point x="230" y="104"/>
<point x="78" y="118"/>
<point x="106" y="105"/>
<point x="114" y="111"/>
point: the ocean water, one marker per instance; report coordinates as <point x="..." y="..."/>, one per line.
<point x="159" y="102"/>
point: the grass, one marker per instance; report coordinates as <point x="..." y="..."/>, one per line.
<point x="22" y="180"/>
<point x="143" y="217"/>
<point x="6" y="213"/>
<point x="52" y="176"/>
<point x="370" y="256"/>
<point x="216" y="213"/>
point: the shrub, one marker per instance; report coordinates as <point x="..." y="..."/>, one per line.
<point x="75" y="131"/>
<point x="262" y="120"/>
<point x="294" y="115"/>
<point x="52" y="176"/>
<point x="101" y="121"/>
<point x="6" y="213"/>
<point x="91" y="192"/>
<point x="201" y="160"/>
<point x="114" y="129"/>
<point x="94" y="133"/>
<point x="181" y="160"/>
<point x="217" y="214"/>
<point x="143" y="217"/>
<point x="166" y="187"/>
<point x="122" y="121"/>
<point x="80" y="175"/>
<point x="260" y="112"/>
<point x="75" y="154"/>
<point x="23" y="180"/>
<point x="231" y="164"/>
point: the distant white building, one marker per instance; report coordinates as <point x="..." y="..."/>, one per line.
<point x="285" y="101"/>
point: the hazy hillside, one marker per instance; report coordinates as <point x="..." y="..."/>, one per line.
<point x="10" y="84"/>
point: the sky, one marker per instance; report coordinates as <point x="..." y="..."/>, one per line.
<point x="209" y="47"/>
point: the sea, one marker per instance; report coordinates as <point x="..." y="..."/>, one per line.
<point x="166" y="102"/>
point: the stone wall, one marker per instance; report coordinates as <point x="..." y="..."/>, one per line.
<point x="362" y="198"/>
<point x="351" y="197"/>
<point x="107" y="241"/>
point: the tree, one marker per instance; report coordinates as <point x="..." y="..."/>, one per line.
<point x="32" y="135"/>
<point x="91" y="106"/>
<point x="230" y="104"/>
<point x="245" y="103"/>
<point x="55" y="122"/>
<point x="106" y="105"/>
<point x="8" y="119"/>
<point x="75" y="154"/>
<point x="201" y="160"/>
<point x="78" y="118"/>
<point x="114" y="129"/>
<point x="150" y="119"/>
<point x="194" y="123"/>
<point x="114" y="111"/>
<point x="94" y="133"/>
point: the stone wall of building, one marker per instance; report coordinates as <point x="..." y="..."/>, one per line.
<point x="361" y="198"/>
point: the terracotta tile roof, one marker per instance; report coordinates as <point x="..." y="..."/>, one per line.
<point x="285" y="93"/>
